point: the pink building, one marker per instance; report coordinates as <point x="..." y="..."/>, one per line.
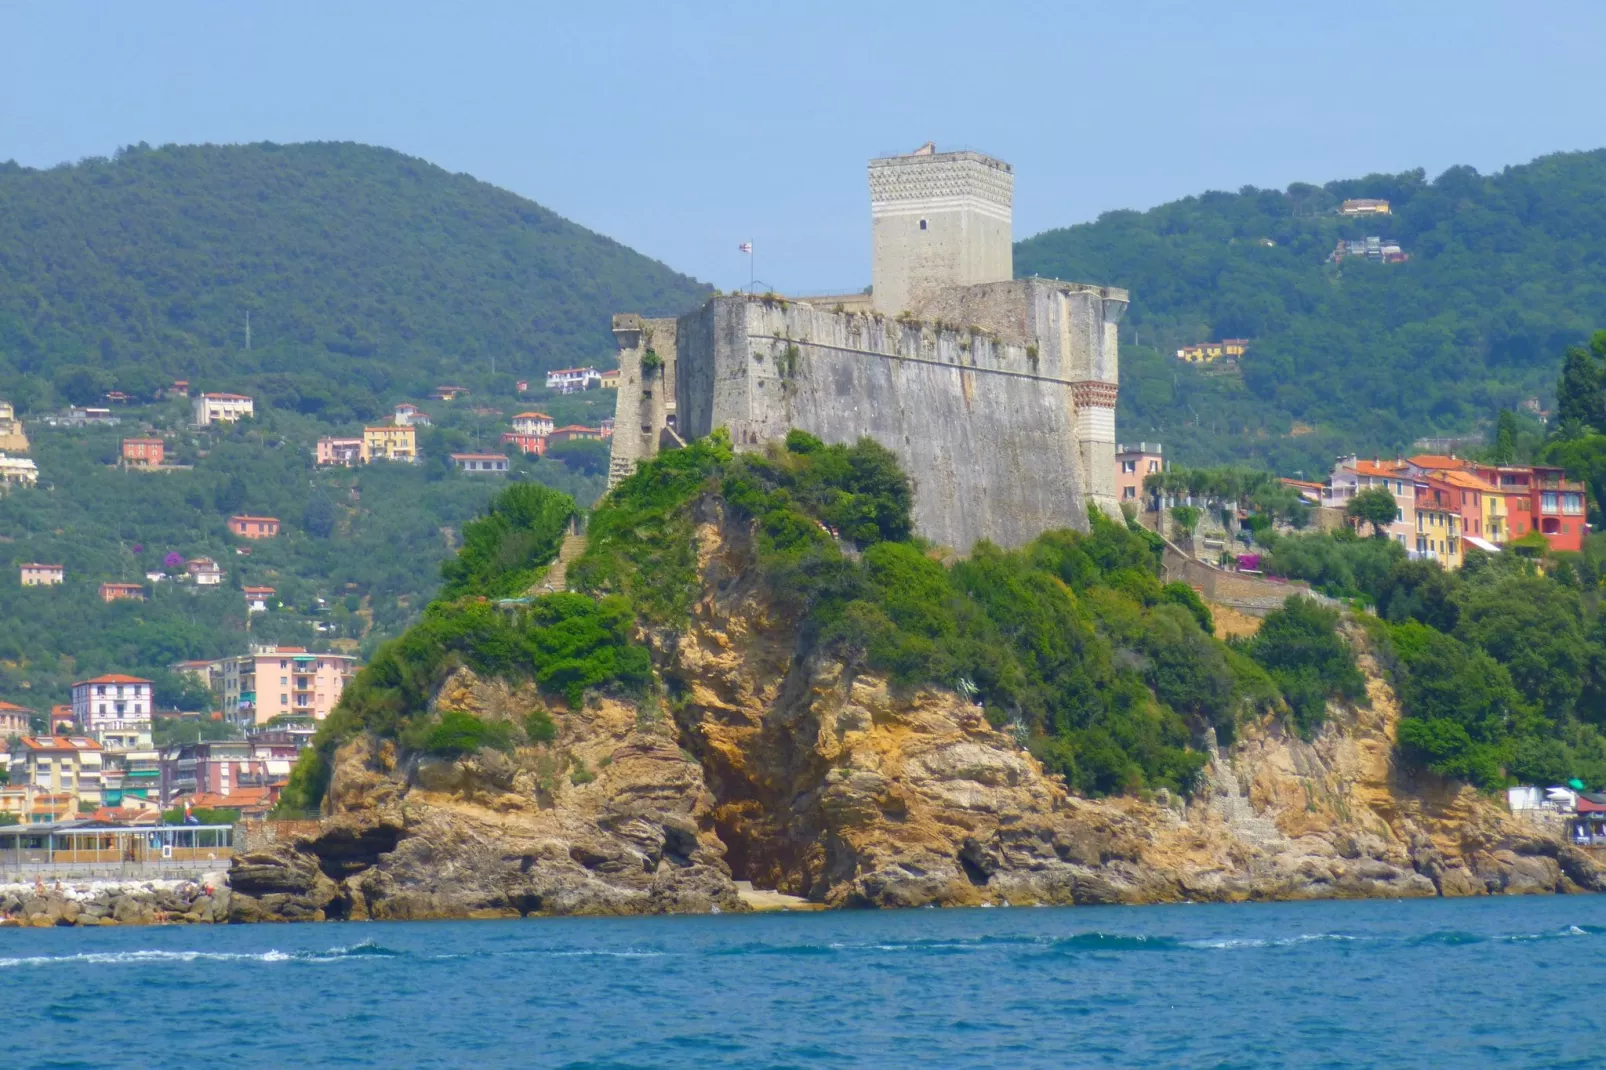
<point x="341" y="451"/>
<point x="275" y="680"/>
<point x="1132" y="465"/>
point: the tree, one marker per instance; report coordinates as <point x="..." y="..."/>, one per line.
<point x="1578" y="393"/>
<point x="1505" y="438"/>
<point x="1375" y="506"/>
<point x="582" y="455"/>
<point x="318" y="519"/>
<point x="1186" y="517"/>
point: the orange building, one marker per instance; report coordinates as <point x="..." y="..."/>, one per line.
<point x="144" y="452"/>
<point x="116" y="592"/>
<point x="254" y="527"/>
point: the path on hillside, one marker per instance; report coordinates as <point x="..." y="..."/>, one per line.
<point x="557" y="573"/>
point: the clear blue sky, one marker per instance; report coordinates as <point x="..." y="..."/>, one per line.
<point x="682" y="129"/>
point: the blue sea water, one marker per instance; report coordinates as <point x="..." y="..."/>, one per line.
<point x="1494" y="982"/>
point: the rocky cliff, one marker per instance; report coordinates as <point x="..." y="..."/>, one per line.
<point x="763" y="763"/>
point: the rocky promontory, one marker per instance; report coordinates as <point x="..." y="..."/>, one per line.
<point x="756" y="760"/>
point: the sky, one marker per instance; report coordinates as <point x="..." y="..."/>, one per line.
<point x="683" y="129"/>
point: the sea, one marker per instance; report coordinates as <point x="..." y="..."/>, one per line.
<point x="1508" y="982"/>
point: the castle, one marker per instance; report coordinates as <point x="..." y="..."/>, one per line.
<point x="997" y="394"/>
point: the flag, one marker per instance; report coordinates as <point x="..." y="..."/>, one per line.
<point x="746" y="247"/>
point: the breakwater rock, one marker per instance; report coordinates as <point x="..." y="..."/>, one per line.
<point x="97" y="902"/>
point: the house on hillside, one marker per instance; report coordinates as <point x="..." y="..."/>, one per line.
<point x="1364" y="206"/>
<point x="448" y="393"/>
<point x="12" y="438"/>
<point x="346" y="452"/>
<point x="257" y="599"/>
<point x="57" y="766"/>
<point x="480" y="462"/>
<point x="37" y="575"/>
<point x="610" y="379"/>
<point x="1351" y="475"/>
<point x="573" y="380"/>
<point x="527" y="444"/>
<point x="204" y="572"/>
<point x="409" y="415"/>
<point x="144" y="452"/>
<point x="575" y="431"/>
<point x="254" y="527"/>
<point x="18" y="471"/>
<point x="533" y="423"/>
<point x="389" y="442"/>
<point x="118" y="592"/>
<point x="222" y="409"/>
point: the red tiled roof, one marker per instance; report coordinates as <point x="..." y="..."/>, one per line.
<point x="113" y="677"/>
<point x="479" y="456"/>
<point x="72" y="743"/>
<point x="8" y="707"/>
<point x="258" y="590"/>
<point x="577" y="427"/>
<point x="248" y="516"/>
<point x="1437" y="460"/>
<point x="532" y="416"/>
<point x="1388" y="469"/>
<point x="35" y="564"/>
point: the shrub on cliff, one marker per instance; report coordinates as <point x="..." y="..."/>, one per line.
<point x="1299" y="646"/>
<point x="456" y="733"/>
<point x="505" y="551"/>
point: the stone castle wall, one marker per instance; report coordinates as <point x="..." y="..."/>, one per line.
<point x="986" y="426"/>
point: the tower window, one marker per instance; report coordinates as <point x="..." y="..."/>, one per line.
<point x="922" y="224"/>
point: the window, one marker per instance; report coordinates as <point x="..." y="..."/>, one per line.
<point x="922" y="224"/>
<point x="284" y="700"/>
<point x="1547" y="501"/>
<point x="1572" y="504"/>
<point x="1129" y="492"/>
<point x="1129" y="466"/>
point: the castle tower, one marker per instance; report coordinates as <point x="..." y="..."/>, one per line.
<point x="938" y="220"/>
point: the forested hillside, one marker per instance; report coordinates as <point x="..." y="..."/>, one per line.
<point x="1504" y="271"/>
<point x="367" y="275"/>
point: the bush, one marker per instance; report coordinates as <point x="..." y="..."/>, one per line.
<point x="506" y="550"/>
<point x="1299" y="646"/>
<point x="539" y="727"/>
<point x="457" y="733"/>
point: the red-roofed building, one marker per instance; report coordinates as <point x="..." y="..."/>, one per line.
<point x="480" y="462"/>
<point x="34" y="574"/>
<point x="109" y="700"/>
<point x="13" y="720"/>
<point x="1351" y="475"/>
<point x="448" y="393"/>
<point x="116" y="592"/>
<point x="258" y="598"/>
<point x="527" y="444"/>
<point x="254" y="527"/>
<point x="533" y="423"/>
<point x="575" y="431"/>
<point x="144" y="452"/>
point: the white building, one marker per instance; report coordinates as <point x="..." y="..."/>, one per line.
<point x="111" y="700"/>
<point x="204" y="572"/>
<point x="573" y="380"/>
<point x="18" y="471"/>
<point x="34" y="574"/>
<point x="409" y="415"/>
<point x="222" y="408"/>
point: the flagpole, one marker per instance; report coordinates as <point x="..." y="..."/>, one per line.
<point x="752" y="272"/>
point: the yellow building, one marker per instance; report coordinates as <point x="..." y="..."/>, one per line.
<point x="1485" y="520"/>
<point x="1364" y="206"/>
<point x="1210" y="352"/>
<point x="1438" y="523"/>
<point x="390" y="443"/>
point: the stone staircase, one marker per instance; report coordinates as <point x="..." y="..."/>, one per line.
<point x="557" y="573"/>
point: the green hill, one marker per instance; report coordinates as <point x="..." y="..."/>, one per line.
<point x="367" y="274"/>
<point x="370" y="277"/>
<point x="1505" y="270"/>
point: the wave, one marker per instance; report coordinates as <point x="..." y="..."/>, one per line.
<point x="365" y="949"/>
